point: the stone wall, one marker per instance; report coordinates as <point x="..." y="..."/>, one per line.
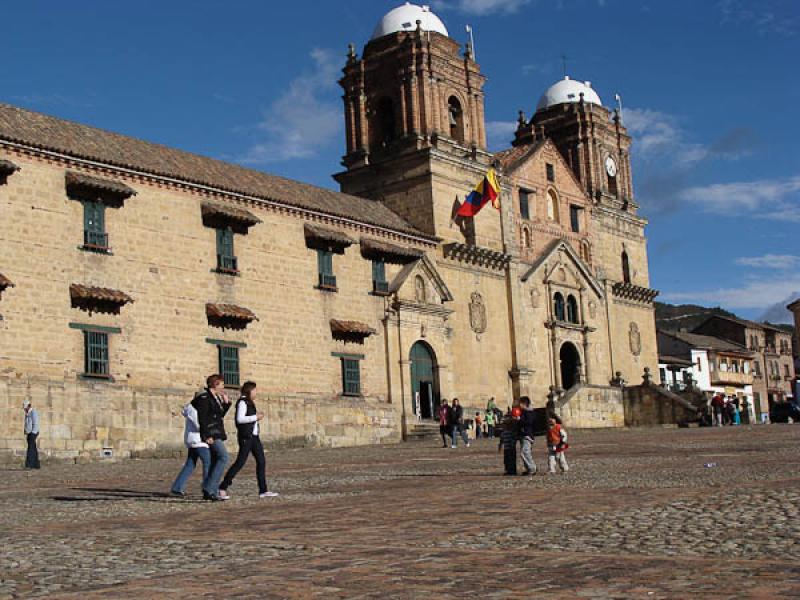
<point x="592" y="406"/>
<point x="80" y="419"/>
<point x="648" y="405"/>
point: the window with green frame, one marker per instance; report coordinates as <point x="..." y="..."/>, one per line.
<point x="379" y="283"/>
<point x="229" y="365"/>
<point x="351" y="376"/>
<point x="94" y="225"/>
<point x="95" y="352"/>
<point x="226" y="260"/>
<point x="327" y="280"/>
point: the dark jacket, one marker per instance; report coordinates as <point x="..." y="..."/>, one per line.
<point x="245" y="430"/>
<point x="527" y="424"/>
<point x="455" y="416"/>
<point x="210" y="415"/>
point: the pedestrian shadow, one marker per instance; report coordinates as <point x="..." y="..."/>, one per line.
<point x="115" y="494"/>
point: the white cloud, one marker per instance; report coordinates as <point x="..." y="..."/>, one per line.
<point x="765" y="199"/>
<point x="657" y="134"/>
<point x="482" y="7"/>
<point x="765" y="16"/>
<point x="770" y="261"/>
<point x="499" y="134"/>
<point x="302" y="120"/>
<point x="755" y="294"/>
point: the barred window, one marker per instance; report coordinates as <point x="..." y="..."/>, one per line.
<point x="94" y="225"/>
<point x="351" y="377"/>
<point x="379" y="283"/>
<point x="229" y="365"/>
<point x="327" y="280"/>
<point x="226" y="260"/>
<point x="95" y="354"/>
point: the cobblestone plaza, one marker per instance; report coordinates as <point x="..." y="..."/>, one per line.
<point x="638" y="516"/>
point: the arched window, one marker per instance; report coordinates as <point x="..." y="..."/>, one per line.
<point x="384" y="122"/>
<point x="526" y="238"/>
<point x="558" y="306"/>
<point x="626" y="268"/>
<point x="572" y="309"/>
<point x="456" y="118"/>
<point x="552" y="206"/>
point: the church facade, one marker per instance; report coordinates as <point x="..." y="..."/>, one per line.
<point x="132" y="270"/>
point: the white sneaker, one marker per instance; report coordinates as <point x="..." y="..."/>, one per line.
<point x="269" y="495"/>
<point x="223" y="495"/>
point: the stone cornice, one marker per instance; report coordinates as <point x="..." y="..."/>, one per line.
<point x="476" y="255"/>
<point x="633" y="293"/>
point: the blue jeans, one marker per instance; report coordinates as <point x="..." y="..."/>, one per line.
<point x="458" y="430"/>
<point x="188" y="467"/>
<point x="219" y="458"/>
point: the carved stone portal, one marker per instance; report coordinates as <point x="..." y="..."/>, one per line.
<point x="477" y="313"/>
<point x="635" y="339"/>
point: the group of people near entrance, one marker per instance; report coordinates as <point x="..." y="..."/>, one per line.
<point x="725" y="410"/>
<point x="204" y="437"/>
<point x="518" y="427"/>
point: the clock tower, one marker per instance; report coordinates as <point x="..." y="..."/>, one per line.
<point x="592" y="140"/>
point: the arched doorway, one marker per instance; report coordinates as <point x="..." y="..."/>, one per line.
<point x="424" y="381"/>
<point x="570" y="365"/>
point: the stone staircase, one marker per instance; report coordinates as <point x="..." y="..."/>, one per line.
<point x="422" y="430"/>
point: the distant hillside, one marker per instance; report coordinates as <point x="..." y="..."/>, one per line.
<point x="685" y="316"/>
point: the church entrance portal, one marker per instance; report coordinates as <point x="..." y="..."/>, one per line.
<point x="424" y="381"/>
<point x="570" y="365"/>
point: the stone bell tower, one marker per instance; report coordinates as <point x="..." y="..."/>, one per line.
<point x="412" y="99"/>
<point x="592" y="139"/>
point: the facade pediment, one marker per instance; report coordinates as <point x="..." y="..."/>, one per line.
<point x="561" y="265"/>
<point x="533" y="161"/>
<point x="421" y="282"/>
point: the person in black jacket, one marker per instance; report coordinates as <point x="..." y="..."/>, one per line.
<point x="212" y="405"/>
<point x="247" y="430"/>
<point x="527" y="427"/>
<point x="456" y="419"/>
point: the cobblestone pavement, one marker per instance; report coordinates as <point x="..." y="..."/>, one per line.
<point x="637" y="516"/>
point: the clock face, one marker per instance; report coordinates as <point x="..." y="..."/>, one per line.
<point x="611" y="167"/>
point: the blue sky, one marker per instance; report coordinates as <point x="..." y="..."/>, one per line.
<point x="710" y="90"/>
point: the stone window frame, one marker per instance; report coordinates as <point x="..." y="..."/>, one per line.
<point x="350" y="365"/>
<point x="99" y="337"/>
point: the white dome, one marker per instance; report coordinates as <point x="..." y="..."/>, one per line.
<point x="568" y="90"/>
<point x="404" y="18"/>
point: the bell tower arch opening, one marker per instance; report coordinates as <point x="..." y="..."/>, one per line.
<point x="384" y="122"/>
<point x="455" y="116"/>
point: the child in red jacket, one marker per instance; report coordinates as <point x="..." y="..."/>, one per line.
<point x="556" y="446"/>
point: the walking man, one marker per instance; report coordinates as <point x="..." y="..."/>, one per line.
<point x="527" y="429"/>
<point x="31" y="433"/>
<point x="457" y="424"/>
<point x="211" y="405"/>
<point x="717" y="407"/>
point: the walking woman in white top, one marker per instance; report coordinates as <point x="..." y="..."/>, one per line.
<point x="247" y="430"/>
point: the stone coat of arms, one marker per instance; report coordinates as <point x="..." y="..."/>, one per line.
<point x="477" y="313"/>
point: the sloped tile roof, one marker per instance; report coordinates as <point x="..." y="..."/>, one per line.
<point x="401" y="254"/>
<point x="230" y="311"/>
<point x="507" y="159"/>
<point x="82" y="141"/>
<point x="706" y="341"/>
<point x="328" y="235"/>
<point x="84" y="292"/>
<point x="230" y="212"/>
<point x="79" y="180"/>
<point x="7" y="167"/>
<point x="350" y="328"/>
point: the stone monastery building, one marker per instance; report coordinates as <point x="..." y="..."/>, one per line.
<point x="130" y="271"/>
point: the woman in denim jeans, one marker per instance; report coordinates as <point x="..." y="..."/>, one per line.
<point x="197" y="448"/>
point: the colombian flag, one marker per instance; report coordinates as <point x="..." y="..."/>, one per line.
<point x="486" y="191"/>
